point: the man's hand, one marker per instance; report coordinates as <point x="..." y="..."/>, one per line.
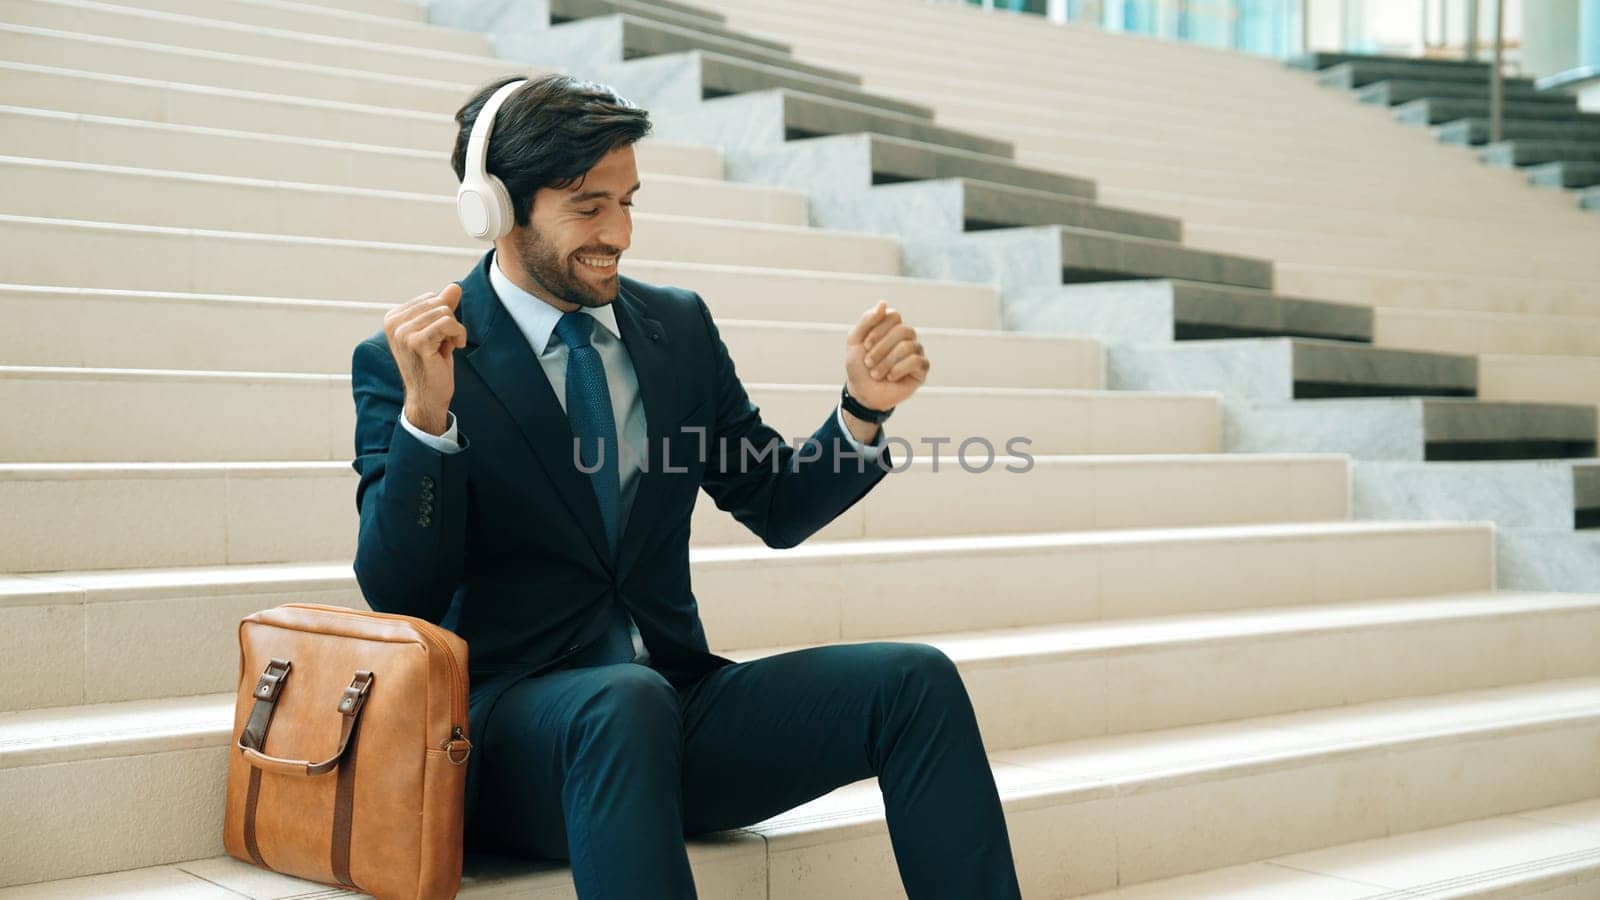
<point x="423" y="336"/>
<point x="883" y="360"/>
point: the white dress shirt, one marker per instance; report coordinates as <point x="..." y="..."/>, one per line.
<point x="537" y="320"/>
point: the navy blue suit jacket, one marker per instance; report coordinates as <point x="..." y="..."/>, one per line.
<point x="510" y="552"/>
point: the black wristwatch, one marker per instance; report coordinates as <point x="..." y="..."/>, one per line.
<point x="853" y="407"/>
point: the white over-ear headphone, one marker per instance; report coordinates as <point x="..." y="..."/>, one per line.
<point x="482" y="202"/>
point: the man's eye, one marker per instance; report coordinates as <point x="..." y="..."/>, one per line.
<point x="588" y="212"/>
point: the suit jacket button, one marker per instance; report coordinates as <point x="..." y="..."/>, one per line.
<point x="423" y="521"/>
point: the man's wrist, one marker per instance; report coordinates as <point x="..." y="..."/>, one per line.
<point x="434" y="424"/>
<point x="859" y="428"/>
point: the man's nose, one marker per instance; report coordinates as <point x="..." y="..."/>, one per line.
<point x="617" y="230"/>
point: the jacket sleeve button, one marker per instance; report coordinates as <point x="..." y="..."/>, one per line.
<point x="423" y="521"/>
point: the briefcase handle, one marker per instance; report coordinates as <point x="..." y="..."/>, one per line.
<point x="254" y="735"/>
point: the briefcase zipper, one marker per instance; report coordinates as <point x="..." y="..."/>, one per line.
<point x="430" y="632"/>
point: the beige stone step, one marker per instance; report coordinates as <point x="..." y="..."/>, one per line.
<point x="1487" y="332"/>
<point x="1538" y="236"/>
<point x="109" y="140"/>
<point x="1544" y="379"/>
<point x="146" y="258"/>
<point x="323" y="80"/>
<point x="1552" y="853"/>
<point x="125" y="415"/>
<point x="1432" y="290"/>
<point x="1121" y="163"/>
<point x="221" y="513"/>
<point x="1285" y="783"/>
<point x="664" y="205"/>
<point x="1261" y="184"/>
<point x="974" y="45"/>
<point x="1552" y="850"/>
<point x="1287" y="246"/>
<point x="91" y="328"/>
<point x="160" y="258"/>
<point x="394" y="47"/>
<point x="88" y="327"/>
<point x="74" y="91"/>
<point x="318" y="19"/>
<point x="409" y="10"/>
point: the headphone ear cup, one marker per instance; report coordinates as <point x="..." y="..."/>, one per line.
<point x="498" y="200"/>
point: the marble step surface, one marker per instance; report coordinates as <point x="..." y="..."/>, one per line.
<point x="761" y="119"/>
<point x="1434" y="111"/>
<point x="1326" y="59"/>
<point x="1351" y="75"/>
<point x="1393" y="92"/>
<point x="141" y="415"/>
<point x="680" y="15"/>
<point x="1533" y="152"/>
<point x="1475" y="130"/>
<point x="1282" y="369"/>
<point x="1566" y="174"/>
<point x="1590" y="199"/>
<point x="612" y="38"/>
<point x="1166" y="310"/>
<point x="1401" y="428"/>
<point x="1031" y="258"/>
<point x="215" y="513"/>
<point x="1114" y="797"/>
<point x="953" y="205"/>
<point x="1549" y="494"/>
<point x="1548" y="559"/>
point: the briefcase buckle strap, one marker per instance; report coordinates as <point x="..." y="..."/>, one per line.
<point x="355" y="695"/>
<point x="271" y="680"/>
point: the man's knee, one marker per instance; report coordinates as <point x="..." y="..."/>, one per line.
<point x="922" y="664"/>
<point x="629" y="702"/>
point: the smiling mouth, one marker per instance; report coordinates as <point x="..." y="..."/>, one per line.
<point x="607" y="264"/>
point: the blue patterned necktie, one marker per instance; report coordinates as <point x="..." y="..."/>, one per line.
<point x="589" y="411"/>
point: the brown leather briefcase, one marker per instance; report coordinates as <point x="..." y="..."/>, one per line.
<point x="350" y="750"/>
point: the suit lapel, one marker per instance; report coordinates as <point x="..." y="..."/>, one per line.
<point x="650" y="347"/>
<point x="506" y="363"/>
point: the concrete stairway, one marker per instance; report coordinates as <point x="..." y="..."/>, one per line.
<point x="206" y="205"/>
<point x="1544" y="133"/>
<point x="1273" y="167"/>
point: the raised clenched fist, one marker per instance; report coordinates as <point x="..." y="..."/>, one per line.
<point x="423" y="336"/>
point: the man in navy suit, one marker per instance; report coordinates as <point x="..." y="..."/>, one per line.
<point x="530" y="443"/>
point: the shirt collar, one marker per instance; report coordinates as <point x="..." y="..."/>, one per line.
<point x="536" y="318"/>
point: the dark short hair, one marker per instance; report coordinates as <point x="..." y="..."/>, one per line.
<point x="548" y="133"/>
